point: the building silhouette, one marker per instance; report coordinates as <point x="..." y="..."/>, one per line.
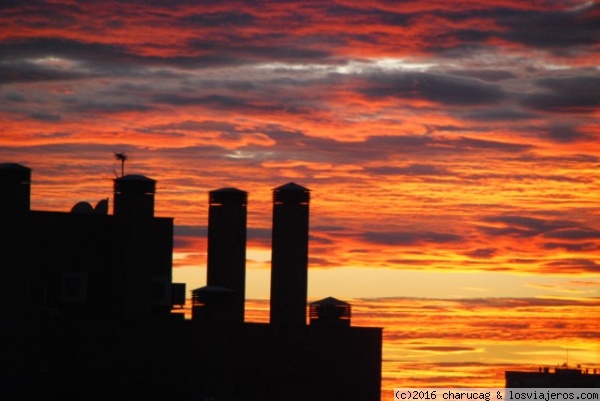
<point x="84" y="263"/>
<point x="88" y="309"/>
<point x="565" y="377"/>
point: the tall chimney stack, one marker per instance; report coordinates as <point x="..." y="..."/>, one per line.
<point x="289" y="260"/>
<point x="226" y="264"/>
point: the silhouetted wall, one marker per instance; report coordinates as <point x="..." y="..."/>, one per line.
<point x="226" y="262"/>
<point x="289" y="261"/>
<point x="85" y="264"/>
<point x="181" y="360"/>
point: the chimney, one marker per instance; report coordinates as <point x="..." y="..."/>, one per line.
<point x="289" y="260"/>
<point x="15" y="184"/>
<point x="226" y="265"/>
<point x="132" y="283"/>
<point x="134" y="196"/>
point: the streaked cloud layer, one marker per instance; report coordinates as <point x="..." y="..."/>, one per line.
<point x="436" y="136"/>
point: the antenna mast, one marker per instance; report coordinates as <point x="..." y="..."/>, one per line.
<point x="122" y="157"/>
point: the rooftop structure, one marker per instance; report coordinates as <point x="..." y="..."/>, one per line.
<point x="85" y="262"/>
<point x="330" y="312"/>
<point x="89" y="309"/>
<point x="560" y="377"/>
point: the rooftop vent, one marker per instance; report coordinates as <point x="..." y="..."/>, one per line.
<point x="330" y="312"/>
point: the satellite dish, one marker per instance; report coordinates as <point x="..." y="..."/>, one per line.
<point x="82" y="207"/>
<point x="101" y="207"/>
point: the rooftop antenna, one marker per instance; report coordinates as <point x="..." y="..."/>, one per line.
<point x="122" y="157"/>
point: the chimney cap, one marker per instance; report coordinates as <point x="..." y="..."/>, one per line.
<point x="228" y="196"/>
<point x="229" y="189"/>
<point x="291" y="186"/>
<point x="330" y="301"/>
<point x="134" y="177"/>
<point x="291" y="194"/>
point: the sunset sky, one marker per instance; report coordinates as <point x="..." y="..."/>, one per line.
<point x="452" y="149"/>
